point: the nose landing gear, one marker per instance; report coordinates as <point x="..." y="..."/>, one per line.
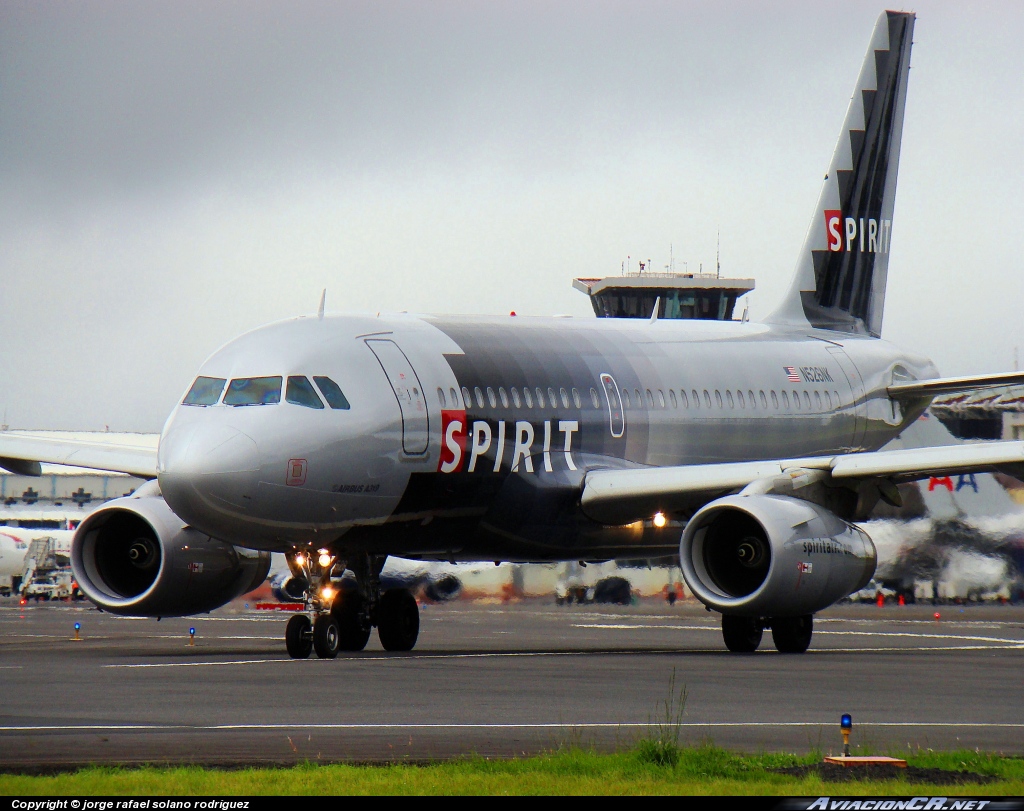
<point x="341" y="619"/>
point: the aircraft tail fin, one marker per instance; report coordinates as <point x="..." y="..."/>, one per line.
<point x="842" y="269"/>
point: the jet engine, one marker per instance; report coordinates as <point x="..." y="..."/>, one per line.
<point x="773" y="556"/>
<point x="134" y="556"/>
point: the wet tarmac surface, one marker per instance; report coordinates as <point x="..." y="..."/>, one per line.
<point x="498" y="680"/>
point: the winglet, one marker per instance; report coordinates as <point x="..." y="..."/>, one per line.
<point x="657" y="306"/>
<point x="323" y="301"/>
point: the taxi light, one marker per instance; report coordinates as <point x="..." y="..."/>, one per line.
<point x="300" y="559"/>
<point x="660" y="520"/>
<point x="327" y="592"/>
<point x="325" y="560"/>
<point x="846" y="725"/>
<point x="846" y="722"/>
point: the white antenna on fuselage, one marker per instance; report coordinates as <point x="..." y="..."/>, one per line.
<point x="323" y="301"/>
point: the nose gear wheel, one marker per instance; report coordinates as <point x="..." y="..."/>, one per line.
<point x="326" y="636"/>
<point x="298" y="637"/>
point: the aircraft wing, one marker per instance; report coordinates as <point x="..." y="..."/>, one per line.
<point x="623" y="496"/>
<point x="23" y="451"/>
<point x="952" y="385"/>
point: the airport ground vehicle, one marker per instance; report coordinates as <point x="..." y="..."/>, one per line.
<point x="751" y="448"/>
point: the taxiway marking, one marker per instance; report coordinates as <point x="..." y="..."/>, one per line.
<point x="549" y="725"/>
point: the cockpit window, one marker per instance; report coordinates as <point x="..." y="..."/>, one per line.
<point x="205" y="391"/>
<point x="245" y="391"/>
<point x="332" y="393"/>
<point x="301" y="392"/>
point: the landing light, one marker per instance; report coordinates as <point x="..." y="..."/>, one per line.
<point x="300" y="559"/>
<point x="327" y="592"/>
<point x="660" y="520"/>
<point x="325" y="560"/>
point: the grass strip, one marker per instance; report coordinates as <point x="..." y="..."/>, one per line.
<point x="648" y="768"/>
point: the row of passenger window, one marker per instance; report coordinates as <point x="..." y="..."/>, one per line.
<point x="800" y="401"/>
<point x="795" y="400"/>
<point x="513" y="398"/>
<point x="250" y="391"/>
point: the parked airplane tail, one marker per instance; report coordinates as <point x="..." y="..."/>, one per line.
<point x="842" y="269"/>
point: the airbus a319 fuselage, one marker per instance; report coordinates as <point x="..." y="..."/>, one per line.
<point x="469" y="438"/>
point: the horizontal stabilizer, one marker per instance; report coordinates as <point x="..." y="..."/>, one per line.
<point x="22" y="451"/>
<point x="952" y="385"/>
<point x="624" y="496"/>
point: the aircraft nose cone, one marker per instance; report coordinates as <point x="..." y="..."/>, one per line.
<point x="208" y="466"/>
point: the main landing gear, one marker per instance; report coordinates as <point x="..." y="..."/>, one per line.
<point x="790" y="634"/>
<point x="338" y="619"/>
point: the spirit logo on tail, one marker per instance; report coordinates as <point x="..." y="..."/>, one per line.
<point x="864" y="234"/>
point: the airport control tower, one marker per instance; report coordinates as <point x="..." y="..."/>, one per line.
<point x="682" y="295"/>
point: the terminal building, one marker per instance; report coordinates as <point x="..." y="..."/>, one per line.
<point x="986" y="414"/>
<point x="60" y="498"/>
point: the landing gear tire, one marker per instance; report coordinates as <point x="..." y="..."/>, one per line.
<point x="346" y="610"/>
<point x="792" y="634"/>
<point x="326" y="636"/>
<point x="298" y="637"/>
<point x="741" y="634"/>
<point x="398" y="620"/>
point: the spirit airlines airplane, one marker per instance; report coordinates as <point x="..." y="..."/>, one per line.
<point x="747" y="448"/>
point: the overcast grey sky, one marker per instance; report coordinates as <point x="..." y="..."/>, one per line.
<point x="174" y="173"/>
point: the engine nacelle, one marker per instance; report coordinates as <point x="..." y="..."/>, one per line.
<point x="134" y="556"/>
<point x="773" y="556"/>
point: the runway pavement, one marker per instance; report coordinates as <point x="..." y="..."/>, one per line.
<point x="497" y="680"/>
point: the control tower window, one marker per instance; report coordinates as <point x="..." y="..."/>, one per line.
<point x="332" y="393"/>
<point x="301" y="392"/>
<point x="247" y="391"/>
<point x="205" y="391"/>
